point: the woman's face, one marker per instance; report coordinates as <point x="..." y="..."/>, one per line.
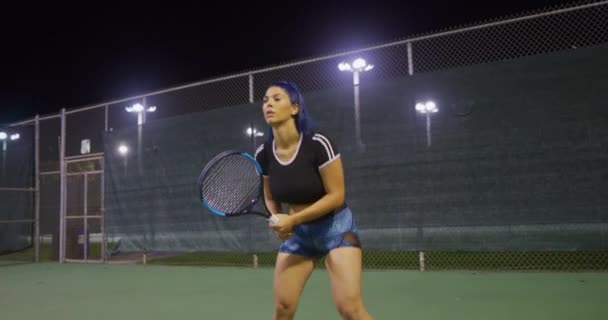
<point x="277" y="106"/>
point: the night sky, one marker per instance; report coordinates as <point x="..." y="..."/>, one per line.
<point x="68" y="56"/>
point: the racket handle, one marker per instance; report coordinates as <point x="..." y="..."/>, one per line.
<point x="273" y="219"/>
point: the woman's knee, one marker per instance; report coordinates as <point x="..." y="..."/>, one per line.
<point x="285" y="308"/>
<point x="350" y="308"/>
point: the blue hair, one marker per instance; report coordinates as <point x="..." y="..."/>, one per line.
<point x="304" y="123"/>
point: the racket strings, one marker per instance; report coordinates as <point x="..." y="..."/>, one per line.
<point x="231" y="185"/>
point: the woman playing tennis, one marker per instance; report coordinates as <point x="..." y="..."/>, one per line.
<point x="302" y="169"/>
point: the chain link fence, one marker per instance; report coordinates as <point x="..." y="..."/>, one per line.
<point x="18" y="199"/>
<point x="408" y="260"/>
<point x="558" y="29"/>
<point x="541" y="33"/>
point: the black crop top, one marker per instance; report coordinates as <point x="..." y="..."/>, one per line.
<point x="298" y="180"/>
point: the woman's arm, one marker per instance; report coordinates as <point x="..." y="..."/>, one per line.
<point x="333" y="180"/>
<point x="273" y="206"/>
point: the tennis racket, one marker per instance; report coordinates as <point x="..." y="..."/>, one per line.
<point x="231" y="185"/>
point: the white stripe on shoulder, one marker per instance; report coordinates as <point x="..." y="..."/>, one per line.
<point x="323" y="138"/>
<point x="260" y="148"/>
<point x="324" y="144"/>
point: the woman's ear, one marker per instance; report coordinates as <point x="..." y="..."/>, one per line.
<point x="295" y="108"/>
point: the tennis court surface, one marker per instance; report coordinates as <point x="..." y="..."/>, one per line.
<point x="53" y="291"/>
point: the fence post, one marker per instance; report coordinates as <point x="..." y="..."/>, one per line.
<point x="421" y="260"/>
<point x="62" y="188"/>
<point x="37" y="189"/>
<point x="410" y="59"/>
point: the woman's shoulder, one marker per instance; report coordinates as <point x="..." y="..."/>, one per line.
<point x="323" y="140"/>
<point x="320" y="135"/>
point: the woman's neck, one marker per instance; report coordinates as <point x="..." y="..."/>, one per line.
<point x="286" y="135"/>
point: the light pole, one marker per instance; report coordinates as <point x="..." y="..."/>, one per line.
<point x="356" y="67"/>
<point x="141" y="111"/>
<point x="4" y="137"/>
<point x="427" y="108"/>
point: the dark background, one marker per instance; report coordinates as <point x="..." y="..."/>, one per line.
<point x="71" y="55"/>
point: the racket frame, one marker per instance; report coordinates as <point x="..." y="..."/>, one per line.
<point x="215" y="160"/>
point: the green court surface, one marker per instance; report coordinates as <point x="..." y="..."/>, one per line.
<point x="52" y="291"/>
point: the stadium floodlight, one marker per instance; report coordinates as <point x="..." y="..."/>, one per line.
<point x="356" y="67"/>
<point x="5" y="137"/>
<point x="427" y="108"/>
<point x="140" y="110"/>
<point x="343" y="66"/>
<point x="253" y="131"/>
<point x="138" y="107"/>
<point x="123" y="149"/>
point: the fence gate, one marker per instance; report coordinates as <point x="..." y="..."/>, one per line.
<point x="83" y="224"/>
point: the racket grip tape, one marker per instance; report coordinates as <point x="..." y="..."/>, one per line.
<point x="273" y="219"/>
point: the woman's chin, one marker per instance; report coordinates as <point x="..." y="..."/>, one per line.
<point x="272" y="122"/>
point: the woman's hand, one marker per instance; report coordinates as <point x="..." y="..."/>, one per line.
<point x="284" y="224"/>
<point x="284" y="236"/>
